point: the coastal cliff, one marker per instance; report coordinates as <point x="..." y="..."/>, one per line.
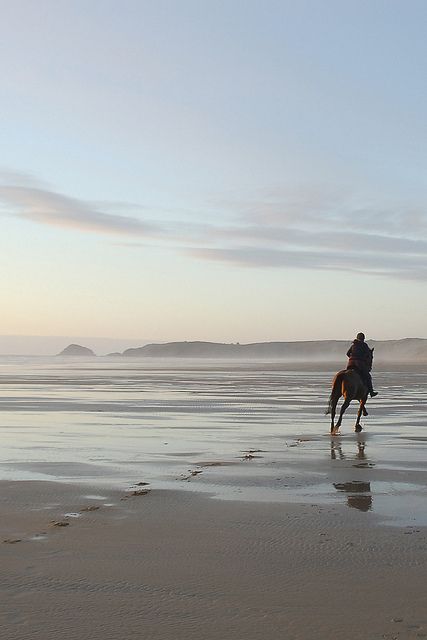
<point x="407" y="350"/>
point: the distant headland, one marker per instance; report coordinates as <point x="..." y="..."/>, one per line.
<point x="76" y="350"/>
<point x="407" y="350"/>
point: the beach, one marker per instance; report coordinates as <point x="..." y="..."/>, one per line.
<point x="177" y="565"/>
<point x="208" y="501"/>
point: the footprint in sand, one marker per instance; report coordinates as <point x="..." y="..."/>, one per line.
<point x="133" y="491"/>
<point x="12" y="540"/>
<point x="140" y="492"/>
<point x="192" y="472"/>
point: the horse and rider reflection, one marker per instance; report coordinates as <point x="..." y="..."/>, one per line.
<point x="337" y="452"/>
<point x="359" y="491"/>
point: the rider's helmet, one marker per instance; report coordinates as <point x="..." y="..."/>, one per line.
<point x="360" y="336"/>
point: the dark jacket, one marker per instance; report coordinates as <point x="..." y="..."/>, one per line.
<point x="360" y="355"/>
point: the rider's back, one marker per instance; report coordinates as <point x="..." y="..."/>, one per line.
<point x="359" y="351"/>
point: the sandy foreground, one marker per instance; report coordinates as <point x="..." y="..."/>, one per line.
<point x="171" y="565"/>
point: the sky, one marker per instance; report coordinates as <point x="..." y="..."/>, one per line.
<point x="225" y="170"/>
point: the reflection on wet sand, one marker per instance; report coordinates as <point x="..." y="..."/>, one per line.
<point x="359" y="491"/>
<point x="337" y="452"/>
<point x="360" y="496"/>
<point x="360" y="455"/>
<point x="354" y="486"/>
<point x="362" y="503"/>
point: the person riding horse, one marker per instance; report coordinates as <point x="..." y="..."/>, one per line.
<point x="360" y="358"/>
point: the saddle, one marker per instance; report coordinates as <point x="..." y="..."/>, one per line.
<point x="363" y="373"/>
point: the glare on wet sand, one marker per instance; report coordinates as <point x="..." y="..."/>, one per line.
<point x="236" y="430"/>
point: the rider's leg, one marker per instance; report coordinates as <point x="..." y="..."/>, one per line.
<point x="372" y="393"/>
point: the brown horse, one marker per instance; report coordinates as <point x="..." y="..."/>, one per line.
<point x="349" y="384"/>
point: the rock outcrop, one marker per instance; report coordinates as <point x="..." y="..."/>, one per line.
<point x="76" y="350"/>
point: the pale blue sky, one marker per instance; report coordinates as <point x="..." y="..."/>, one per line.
<point x="220" y="170"/>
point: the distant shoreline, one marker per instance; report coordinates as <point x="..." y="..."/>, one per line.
<point x="406" y="350"/>
<point x="403" y="351"/>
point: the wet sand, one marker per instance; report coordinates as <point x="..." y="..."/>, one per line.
<point x="169" y="565"/>
<point x="248" y="430"/>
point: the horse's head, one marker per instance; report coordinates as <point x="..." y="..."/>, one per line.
<point x="371" y="359"/>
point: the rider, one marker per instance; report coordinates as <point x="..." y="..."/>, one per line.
<point x="360" y="358"/>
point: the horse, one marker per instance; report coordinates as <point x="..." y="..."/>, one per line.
<point x="349" y="384"/>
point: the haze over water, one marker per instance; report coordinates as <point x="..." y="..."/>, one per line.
<point x="237" y="430"/>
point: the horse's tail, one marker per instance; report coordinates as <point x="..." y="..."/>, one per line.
<point x="329" y="407"/>
<point x="336" y="392"/>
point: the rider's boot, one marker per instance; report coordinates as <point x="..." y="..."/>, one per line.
<point x="372" y="393"/>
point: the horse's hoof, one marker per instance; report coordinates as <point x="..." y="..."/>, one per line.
<point x="358" y="428"/>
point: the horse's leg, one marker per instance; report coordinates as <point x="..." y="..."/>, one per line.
<point x="365" y="413"/>
<point x="334" y="403"/>
<point x="345" y="405"/>
<point x="358" y="426"/>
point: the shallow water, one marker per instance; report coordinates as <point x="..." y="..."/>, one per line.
<point x="246" y="430"/>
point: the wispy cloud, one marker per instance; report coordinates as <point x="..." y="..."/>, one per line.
<point x="302" y="229"/>
<point x="48" y="207"/>
<point x="408" y="267"/>
<point x="323" y="230"/>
